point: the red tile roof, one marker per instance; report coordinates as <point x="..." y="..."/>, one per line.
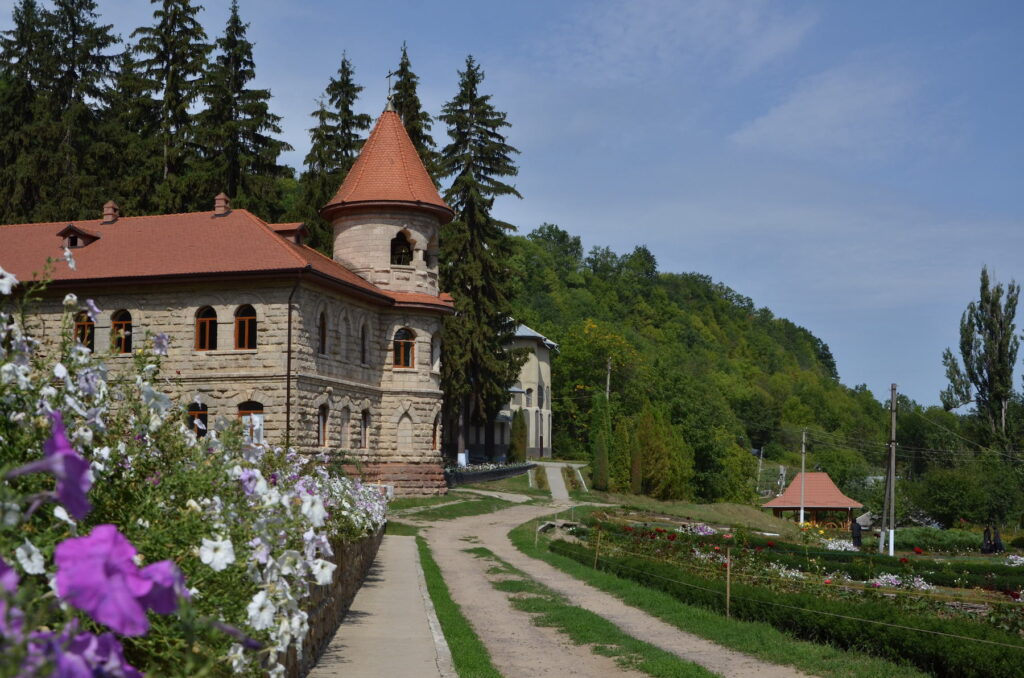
<point x="388" y="170"/>
<point x="819" y="492"/>
<point x="194" y="244"/>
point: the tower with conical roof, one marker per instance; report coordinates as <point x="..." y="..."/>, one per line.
<point x="387" y="214"/>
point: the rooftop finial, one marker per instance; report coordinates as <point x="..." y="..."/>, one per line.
<point x="390" y="106"/>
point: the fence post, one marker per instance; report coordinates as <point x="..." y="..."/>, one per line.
<point x="597" y="547"/>
<point x="728" y="578"/>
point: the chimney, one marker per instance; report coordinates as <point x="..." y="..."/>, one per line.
<point x="221" y="205"/>
<point x="110" y="212"/>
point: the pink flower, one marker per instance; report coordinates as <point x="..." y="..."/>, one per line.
<point x="97" y="574"/>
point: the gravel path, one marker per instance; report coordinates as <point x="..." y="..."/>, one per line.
<point x="520" y="649"/>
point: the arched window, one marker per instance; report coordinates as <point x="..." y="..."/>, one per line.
<point x="529" y="397"/>
<point x="540" y="395"/>
<point x="245" y="327"/>
<point x="198" y="418"/>
<point x="85" y="331"/>
<point x="342" y="342"/>
<point x="401" y="250"/>
<point x="405" y="433"/>
<point x="433" y="435"/>
<point x="121" y="332"/>
<point x="251" y="414"/>
<point x="321" y="334"/>
<point x="321" y="425"/>
<point x="364" y="430"/>
<point x="404" y="348"/>
<point x="206" y="329"/>
<point x="362" y="345"/>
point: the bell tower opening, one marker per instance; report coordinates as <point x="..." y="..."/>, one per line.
<point x="401" y="250"/>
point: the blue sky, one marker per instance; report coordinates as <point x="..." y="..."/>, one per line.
<point x="849" y="165"/>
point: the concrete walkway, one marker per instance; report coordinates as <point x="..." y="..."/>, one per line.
<point x="556" y="483"/>
<point x="391" y="628"/>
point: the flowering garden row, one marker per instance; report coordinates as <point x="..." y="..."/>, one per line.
<point x="127" y="544"/>
<point x="819" y="612"/>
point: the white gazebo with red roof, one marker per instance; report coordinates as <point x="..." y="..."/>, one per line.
<point x="820" y="496"/>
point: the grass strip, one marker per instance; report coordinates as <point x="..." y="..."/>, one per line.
<point x="469" y="655"/>
<point x="401" y="529"/>
<point x="402" y="503"/>
<point x="473" y="507"/>
<point x="753" y="638"/>
<point x="584" y="627"/>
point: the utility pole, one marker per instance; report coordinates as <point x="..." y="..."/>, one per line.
<point x="888" y="532"/>
<point x="892" y="470"/>
<point x="608" y="380"/>
<point x="760" y="460"/>
<point x="803" y="476"/>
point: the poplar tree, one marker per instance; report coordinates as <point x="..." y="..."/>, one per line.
<point x="600" y="440"/>
<point x="417" y="122"/>
<point x="988" y="350"/>
<point x="336" y="142"/>
<point x="173" y="58"/>
<point x="475" y="252"/>
<point x="239" y="153"/>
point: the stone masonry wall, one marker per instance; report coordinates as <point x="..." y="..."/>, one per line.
<point x="362" y="242"/>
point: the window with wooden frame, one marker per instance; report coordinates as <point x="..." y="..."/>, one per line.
<point x="401" y="250"/>
<point x="251" y="414"/>
<point x="404" y="348"/>
<point x="245" y="328"/>
<point x="121" y="332"/>
<point x="85" y="331"/>
<point x="321" y="334"/>
<point x="198" y="416"/>
<point x="321" y="425"/>
<point x="206" y="329"/>
<point x="364" y="430"/>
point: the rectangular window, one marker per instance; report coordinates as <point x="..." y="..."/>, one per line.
<point x="206" y="334"/>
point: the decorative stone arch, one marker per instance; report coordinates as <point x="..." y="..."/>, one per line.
<point x="344" y="318"/>
<point x="405" y="408"/>
<point x="324" y="398"/>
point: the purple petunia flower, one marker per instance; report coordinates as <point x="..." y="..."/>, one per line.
<point x="8" y="577"/>
<point x="67" y="466"/>
<point x="77" y="655"/>
<point x="92" y="309"/>
<point x="160" y="343"/>
<point x="97" y="574"/>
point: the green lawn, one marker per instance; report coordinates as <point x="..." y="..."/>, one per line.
<point x="519" y="484"/>
<point x="401" y="503"/>
<point x="756" y="639"/>
<point x="471" y="507"/>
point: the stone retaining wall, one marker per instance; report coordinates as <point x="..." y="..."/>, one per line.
<point x="328" y="604"/>
<point x="454" y="478"/>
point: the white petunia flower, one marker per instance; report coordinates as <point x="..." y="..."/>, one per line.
<point x="237" y="657"/>
<point x="7" y="282"/>
<point x="313" y="508"/>
<point x="60" y="371"/>
<point x="68" y="258"/>
<point x="261" y="611"/>
<point x="70" y="300"/>
<point x="62" y="514"/>
<point x="218" y="554"/>
<point x="30" y="558"/>
<point x="10" y="514"/>
<point x="323" y="570"/>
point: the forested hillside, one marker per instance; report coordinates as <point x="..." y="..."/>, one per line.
<point x="713" y="375"/>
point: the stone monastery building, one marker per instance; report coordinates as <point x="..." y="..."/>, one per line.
<point x="337" y="353"/>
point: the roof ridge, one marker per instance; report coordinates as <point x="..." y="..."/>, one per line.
<point x="276" y="237"/>
<point x="401" y="159"/>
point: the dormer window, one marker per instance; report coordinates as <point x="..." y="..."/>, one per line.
<point x="401" y="250"/>
<point x="76" y="236"/>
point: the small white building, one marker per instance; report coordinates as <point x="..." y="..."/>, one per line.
<point x="531" y="393"/>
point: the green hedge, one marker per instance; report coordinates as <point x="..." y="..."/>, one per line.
<point x="836" y="622"/>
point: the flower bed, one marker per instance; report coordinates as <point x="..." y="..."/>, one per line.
<point x="128" y="543"/>
<point x="480" y="473"/>
<point x="900" y="636"/>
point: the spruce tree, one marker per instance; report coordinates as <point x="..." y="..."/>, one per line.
<point x="475" y="252"/>
<point x="26" y="68"/>
<point x="417" y="122"/>
<point x="239" y="153"/>
<point x="173" y="57"/>
<point x="336" y="142"/>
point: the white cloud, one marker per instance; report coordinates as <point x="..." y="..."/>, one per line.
<point x="650" y="39"/>
<point x="864" y="109"/>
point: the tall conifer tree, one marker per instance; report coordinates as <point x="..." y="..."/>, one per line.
<point x="418" y="122"/>
<point x="26" y="67"/>
<point x="475" y="250"/>
<point x="336" y="142"/>
<point x="239" y="153"/>
<point x="173" y="57"/>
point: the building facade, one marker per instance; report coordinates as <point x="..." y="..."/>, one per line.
<point x="338" y="354"/>
<point x="531" y="394"/>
